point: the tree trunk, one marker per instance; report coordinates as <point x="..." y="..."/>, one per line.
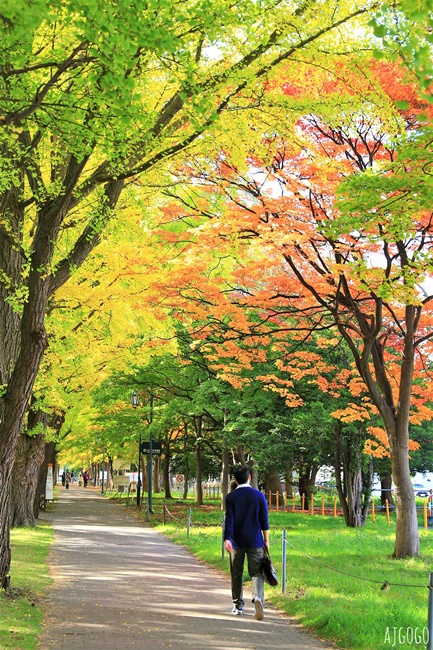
<point x="386" y="489"/>
<point x="225" y="476"/>
<point x="407" y="535"/>
<point x="273" y="485"/>
<point x="156" y="475"/>
<point x="199" y="474"/>
<point x="288" y="483"/>
<point x="166" y="468"/>
<point x="14" y="405"/>
<point x="144" y="473"/>
<point x="28" y="460"/>
<point x="396" y="421"/>
<point x="353" y="480"/>
<point x="254" y="477"/>
<point x="49" y="457"/>
<point x="367" y="479"/>
<point x="29" y="457"/>
<point x="239" y="456"/>
<point x="10" y="324"/>
<point x="348" y="461"/>
<point x="307" y="481"/>
<point x="186" y="460"/>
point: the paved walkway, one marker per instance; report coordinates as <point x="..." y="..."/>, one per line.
<point x="121" y="585"/>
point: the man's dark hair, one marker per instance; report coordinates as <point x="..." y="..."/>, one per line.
<point x="241" y="474"/>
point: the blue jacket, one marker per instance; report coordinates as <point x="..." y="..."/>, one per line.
<point x="246" y="517"/>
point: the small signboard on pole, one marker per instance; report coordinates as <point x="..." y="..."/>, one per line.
<point x="121" y="483"/>
<point x="49" y="487"/>
<point x="179" y="483"/>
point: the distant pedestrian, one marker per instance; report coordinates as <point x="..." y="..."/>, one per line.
<point x="85" y="478"/>
<point x="67" y="480"/>
<point x="246" y="533"/>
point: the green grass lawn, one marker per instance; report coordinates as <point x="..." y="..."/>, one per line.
<point x="22" y="608"/>
<point x="334" y="574"/>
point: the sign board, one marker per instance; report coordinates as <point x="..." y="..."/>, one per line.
<point x="121" y="480"/>
<point x="156" y="448"/>
<point x="49" y="489"/>
<point x="179" y="482"/>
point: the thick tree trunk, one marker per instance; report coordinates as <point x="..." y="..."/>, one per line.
<point x="307" y="481"/>
<point x="407" y="534"/>
<point x="353" y="481"/>
<point x="288" y="483"/>
<point x="11" y="407"/>
<point x="273" y="485"/>
<point x="28" y="460"/>
<point x="29" y="457"/>
<point x="254" y="477"/>
<point x="14" y="403"/>
<point x="348" y="462"/>
<point x="396" y="420"/>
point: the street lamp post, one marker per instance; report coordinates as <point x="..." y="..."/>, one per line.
<point x="135" y="401"/>
<point x="103" y="476"/>
<point x="149" y="498"/>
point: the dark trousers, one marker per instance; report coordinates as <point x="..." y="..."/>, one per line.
<point x="237" y="560"/>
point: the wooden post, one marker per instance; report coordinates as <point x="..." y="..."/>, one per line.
<point x="303" y="502"/>
<point x="387" y="512"/>
<point x="323" y="505"/>
<point x="285" y="500"/>
<point x="312" y="504"/>
<point x="277" y="500"/>
<point x="335" y="506"/>
<point x="425" y="515"/>
<point x="373" y="514"/>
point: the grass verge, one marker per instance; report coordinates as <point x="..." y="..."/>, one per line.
<point x="22" y="607"/>
<point x="335" y="574"/>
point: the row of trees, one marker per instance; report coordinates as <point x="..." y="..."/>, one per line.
<point x="206" y="425"/>
<point x="96" y="103"/>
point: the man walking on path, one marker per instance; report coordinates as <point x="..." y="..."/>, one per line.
<point x="246" y="532"/>
<point x="121" y="585"/>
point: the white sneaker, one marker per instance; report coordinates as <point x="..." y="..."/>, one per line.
<point x="237" y="611"/>
<point x="259" y="609"/>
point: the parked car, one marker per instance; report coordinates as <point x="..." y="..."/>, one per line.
<point x="420" y="490"/>
<point x="377" y="491"/>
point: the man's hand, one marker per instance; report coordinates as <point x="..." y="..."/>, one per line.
<point x="228" y="546"/>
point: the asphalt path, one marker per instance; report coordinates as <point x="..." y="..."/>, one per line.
<point x="121" y="585"/>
